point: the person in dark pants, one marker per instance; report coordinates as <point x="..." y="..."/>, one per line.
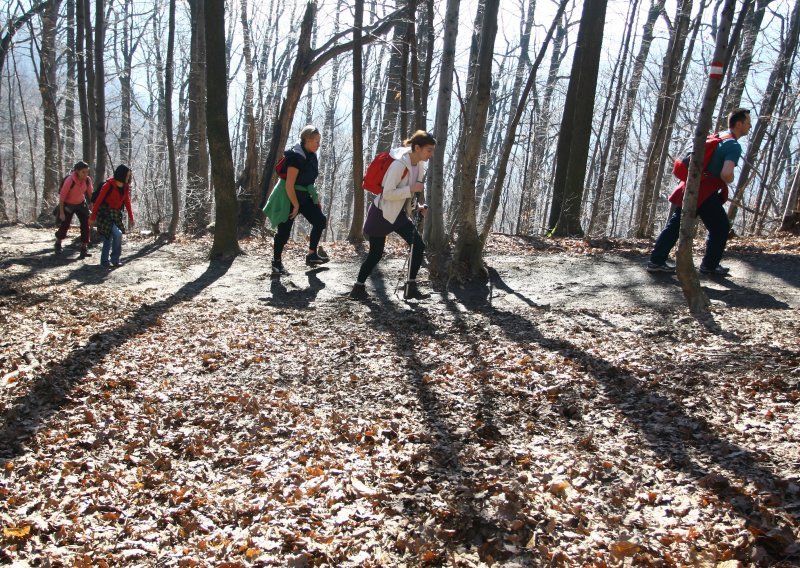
<point x="712" y="195"/>
<point x="73" y="196"/>
<point x="390" y="211"/>
<point x="297" y="194"/>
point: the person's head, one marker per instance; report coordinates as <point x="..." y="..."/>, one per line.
<point x="739" y="122"/>
<point x="422" y="146"/>
<point x="122" y="174"/>
<point x="81" y="168"/>
<point x="310" y="138"/>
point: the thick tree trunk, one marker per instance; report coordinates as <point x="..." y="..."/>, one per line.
<point x="467" y="260"/>
<point x="775" y="85"/>
<point x="100" y="89"/>
<point x="690" y="283"/>
<point x="48" y="89"/>
<point x="225" y="242"/>
<point x="434" y="220"/>
<point x="87" y="135"/>
<point x="576" y="125"/>
<point x="356" y="233"/>
<point x="391" y="105"/>
<point x="169" y="131"/>
<point x="198" y="198"/>
<point x="622" y="129"/>
<point x="70" y="91"/>
<point x="791" y="216"/>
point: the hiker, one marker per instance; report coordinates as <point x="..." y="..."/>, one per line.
<point x="297" y="194"/>
<point x="713" y="194"/>
<point x="390" y="211"/>
<point x="75" y="191"/>
<point x="107" y="213"/>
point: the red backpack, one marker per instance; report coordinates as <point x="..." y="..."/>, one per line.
<point x="373" y="177"/>
<point x="680" y="168"/>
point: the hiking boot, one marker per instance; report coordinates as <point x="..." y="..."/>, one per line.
<point x="322" y="254"/>
<point x="58" y="246"/>
<point x="313" y="259"/>
<point x="412" y="292"/>
<point x="277" y="268"/>
<point x="359" y="292"/>
<point x="117" y="264"/>
<point x="84" y="252"/>
<point x="105" y="264"/>
<point x="663" y="267"/>
<point x="718" y="271"/>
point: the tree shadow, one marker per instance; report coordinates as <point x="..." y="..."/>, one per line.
<point x="780" y="265"/>
<point x="50" y="391"/>
<point x="283" y="296"/>
<point x="680" y="439"/>
<point x="737" y="296"/>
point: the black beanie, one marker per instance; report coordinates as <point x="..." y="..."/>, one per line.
<point x="121" y="173"/>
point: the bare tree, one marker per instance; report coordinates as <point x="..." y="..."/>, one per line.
<point x="48" y="88"/>
<point x="576" y="124"/>
<point x="622" y="130"/>
<point x="219" y="142"/>
<point x="690" y="283"/>
<point x="434" y="221"/>
<point x="198" y="202"/>
<point x="467" y="262"/>
<point x="169" y="133"/>
<point x="356" y="233"/>
<point x="791" y="216"/>
<point x="100" y="88"/>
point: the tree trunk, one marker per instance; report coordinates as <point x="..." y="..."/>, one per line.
<point x="668" y="96"/>
<point x="100" y="89"/>
<point x="467" y="260"/>
<point x="198" y="198"/>
<point x="356" y="233"/>
<point x="791" y="216"/>
<point x="69" y="93"/>
<point x="434" y="220"/>
<point x="251" y="197"/>
<point x="87" y="135"/>
<point x="510" y="138"/>
<point x="621" y="131"/>
<point x="576" y="125"/>
<point x="225" y="243"/>
<point x="775" y="85"/>
<point x="48" y="89"/>
<point x="169" y="133"/>
<point x="690" y="283"/>
<point x="391" y="105"/>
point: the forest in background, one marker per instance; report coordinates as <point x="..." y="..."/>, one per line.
<point x="128" y="82"/>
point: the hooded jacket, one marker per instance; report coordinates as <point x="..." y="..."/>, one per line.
<point x="396" y="195"/>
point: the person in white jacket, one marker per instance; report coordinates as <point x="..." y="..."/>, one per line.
<point x="390" y="211"/>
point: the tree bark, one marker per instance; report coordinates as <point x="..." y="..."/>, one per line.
<point x="791" y="216"/>
<point x="576" y="125"/>
<point x="775" y="85"/>
<point x="391" y="105"/>
<point x="69" y="93"/>
<point x="48" y="89"/>
<point x="356" y="233"/>
<point x="100" y="89"/>
<point x="434" y="220"/>
<point x="198" y="197"/>
<point x="225" y="242"/>
<point x="687" y="276"/>
<point x="467" y="262"/>
<point x="251" y="197"/>
<point x="169" y="131"/>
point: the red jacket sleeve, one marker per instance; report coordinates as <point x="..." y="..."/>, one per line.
<point x="100" y="198"/>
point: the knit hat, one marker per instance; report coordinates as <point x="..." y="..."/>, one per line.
<point x="121" y="173"/>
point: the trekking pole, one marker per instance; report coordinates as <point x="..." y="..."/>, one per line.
<point x="411" y="248"/>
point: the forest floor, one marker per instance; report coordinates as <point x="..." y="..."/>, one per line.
<point x="176" y="412"/>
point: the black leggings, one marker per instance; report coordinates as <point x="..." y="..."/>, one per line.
<point x="376" y="244"/>
<point x="313" y="213"/>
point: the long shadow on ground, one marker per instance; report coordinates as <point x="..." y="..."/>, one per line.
<point x="652" y="413"/>
<point x="51" y="390"/>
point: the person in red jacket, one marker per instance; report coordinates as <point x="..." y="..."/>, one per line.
<point x="712" y="195"/>
<point x="72" y="197"/>
<point x="107" y="213"/>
